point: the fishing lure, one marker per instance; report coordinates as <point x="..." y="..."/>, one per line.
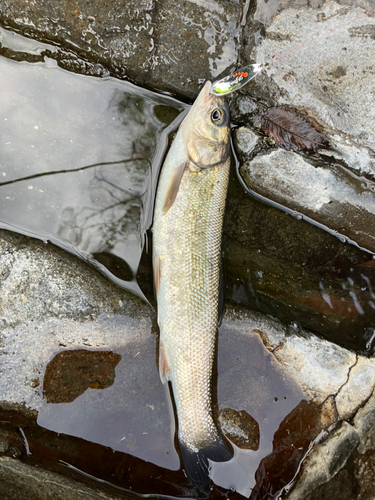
<point x="237" y="80"/>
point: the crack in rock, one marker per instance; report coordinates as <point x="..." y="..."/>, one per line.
<point x="347" y="378"/>
<point x="357" y="389"/>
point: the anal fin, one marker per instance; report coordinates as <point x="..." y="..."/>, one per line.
<point x="164" y="370"/>
<point x="157" y="275"/>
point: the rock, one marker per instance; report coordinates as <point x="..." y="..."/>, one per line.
<point x="32" y="289"/>
<point x="172" y="47"/>
<point x="266" y="370"/>
<point x="70" y="306"/>
<point x="4" y="446"/>
<point x="25" y="482"/>
<point x="344" y="482"/>
<point x="330" y="76"/>
<point x="356" y="479"/>
<point x="322" y="369"/>
<point x="240" y="428"/>
<point x="333" y="198"/>
<point x="331" y="91"/>
<point x="365" y="475"/>
<point x="70" y="373"/>
<point x="354" y="482"/>
<point x="357" y="389"/>
<point x="290" y="446"/>
<point x="364" y="423"/>
<point x="325" y="460"/>
<point x="324" y="287"/>
<point x="245" y="140"/>
<point x="280" y="265"/>
<point x="66" y="334"/>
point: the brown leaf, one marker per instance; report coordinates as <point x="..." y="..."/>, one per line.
<point x="292" y="132"/>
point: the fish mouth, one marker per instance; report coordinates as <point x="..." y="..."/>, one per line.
<point x="205" y="93"/>
<point x="207" y="97"/>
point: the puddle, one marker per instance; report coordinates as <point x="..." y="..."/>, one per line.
<point x="130" y="415"/>
<point x="76" y="158"/>
<point x="101" y="413"/>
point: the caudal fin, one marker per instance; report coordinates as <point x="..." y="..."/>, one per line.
<point x="196" y="464"/>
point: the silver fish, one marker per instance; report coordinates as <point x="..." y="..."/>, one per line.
<point x="187" y="231"/>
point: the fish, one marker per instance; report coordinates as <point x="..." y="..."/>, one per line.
<point x="187" y="234"/>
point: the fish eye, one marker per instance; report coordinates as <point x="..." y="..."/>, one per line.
<point x="218" y="116"/>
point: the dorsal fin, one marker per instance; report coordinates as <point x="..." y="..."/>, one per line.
<point x="174" y="184"/>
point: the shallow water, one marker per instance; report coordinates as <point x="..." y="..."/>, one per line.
<point x="76" y="158"/>
<point x="104" y="413"/>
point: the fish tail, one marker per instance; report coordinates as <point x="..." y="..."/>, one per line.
<point x="196" y="463"/>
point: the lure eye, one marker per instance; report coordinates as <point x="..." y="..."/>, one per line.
<point x="218" y="116"/>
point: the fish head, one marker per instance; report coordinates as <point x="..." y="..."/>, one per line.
<point x="206" y="129"/>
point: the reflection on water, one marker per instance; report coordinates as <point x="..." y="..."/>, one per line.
<point x="250" y="380"/>
<point x="84" y="149"/>
<point x="290" y="446"/>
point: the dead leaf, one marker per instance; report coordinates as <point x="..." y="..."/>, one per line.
<point x="292" y="132"/>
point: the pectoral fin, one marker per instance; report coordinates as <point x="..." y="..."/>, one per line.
<point x="164" y="370"/>
<point x="173" y="187"/>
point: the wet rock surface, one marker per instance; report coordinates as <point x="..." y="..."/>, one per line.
<point x="290" y="447"/>
<point x="326" y="286"/>
<point x="326" y="460"/>
<point x="27" y="295"/>
<point x="240" y="427"/>
<point x="356" y="479"/>
<point x="70" y="373"/>
<point x="26" y="482"/>
<point x="334" y="198"/>
<point x="329" y="78"/>
<point x="168" y="46"/>
<point x="283" y="266"/>
<point x="326" y="86"/>
<point x="328" y="374"/>
<point x="312" y="71"/>
<point x="330" y="446"/>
